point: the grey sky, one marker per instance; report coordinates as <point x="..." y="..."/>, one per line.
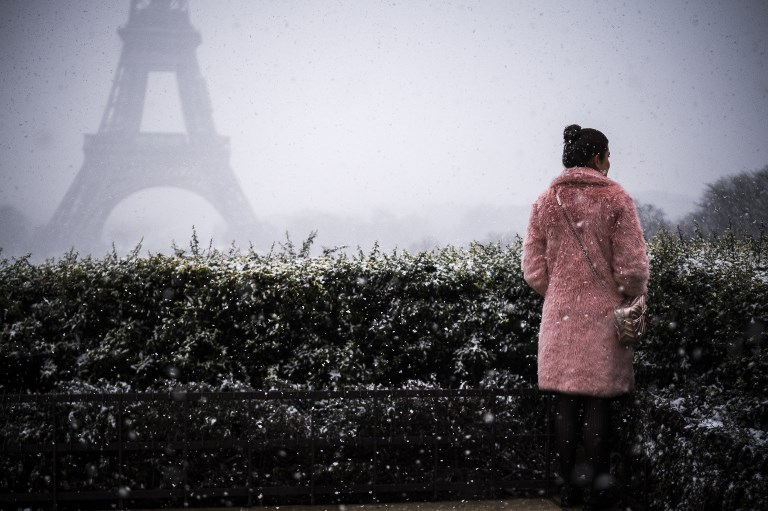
<point x="358" y="109"/>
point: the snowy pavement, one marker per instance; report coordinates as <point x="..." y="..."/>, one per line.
<point x="465" y="505"/>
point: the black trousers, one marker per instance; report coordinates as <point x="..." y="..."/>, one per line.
<point x="585" y="418"/>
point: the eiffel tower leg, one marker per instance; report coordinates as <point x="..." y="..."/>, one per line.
<point x="78" y="220"/>
<point x="120" y="160"/>
<point x="126" y="104"/>
<point x="228" y="198"/>
<point x="196" y="106"/>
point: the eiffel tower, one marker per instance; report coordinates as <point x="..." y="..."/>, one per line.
<point x="120" y="160"/>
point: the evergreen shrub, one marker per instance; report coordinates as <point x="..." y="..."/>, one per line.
<point x="698" y="423"/>
<point x="708" y="311"/>
<point x="700" y="447"/>
<point x="450" y="318"/>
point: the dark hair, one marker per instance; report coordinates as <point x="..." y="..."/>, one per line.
<point x="581" y="144"/>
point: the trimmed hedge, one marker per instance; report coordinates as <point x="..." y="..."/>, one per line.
<point x="709" y="312"/>
<point x="698" y="424"/>
<point x="452" y="317"/>
<point x="455" y="317"/>
<point x="700" y="447"/>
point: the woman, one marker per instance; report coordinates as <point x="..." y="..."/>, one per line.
<point x="579" y="356"/>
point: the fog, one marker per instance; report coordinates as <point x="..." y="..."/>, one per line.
<point x="411" y="124"/>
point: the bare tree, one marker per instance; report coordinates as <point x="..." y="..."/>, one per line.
<point x="739" y="202"/>
<point x="652" y="219"/>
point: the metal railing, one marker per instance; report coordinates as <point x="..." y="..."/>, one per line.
<point x="276" y="447"/>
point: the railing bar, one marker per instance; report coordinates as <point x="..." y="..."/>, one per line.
<point x="267" y="490"/>
<point x="6" y="411"/>
<point x="185" y="456"/>
<point x="547" y="443"/>
<point x="377" y="426"/>
<point x="249" y="453"/>
<point x="272" y="395"/>
<point x="312" y="451"/>
<point x="120" y="451"/>
<point x="493" y="413"/>
<point x="230" y="443"/>
<point x="55" y="459"/>
<point x="185" y="400"/>
<point x="435" y="449"/>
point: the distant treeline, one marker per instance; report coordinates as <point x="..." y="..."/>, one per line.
<point x="737" y="203"/>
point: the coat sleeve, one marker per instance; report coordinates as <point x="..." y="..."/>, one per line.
<point x="630" y="260"/>
<point x="535" y="270"/>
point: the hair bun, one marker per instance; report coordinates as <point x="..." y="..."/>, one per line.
<point x="571" y="133"/>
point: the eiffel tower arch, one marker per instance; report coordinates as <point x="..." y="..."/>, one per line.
<point x="120" y="160"/>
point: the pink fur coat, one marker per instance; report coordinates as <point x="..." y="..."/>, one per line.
<point x="578" y="349"/>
